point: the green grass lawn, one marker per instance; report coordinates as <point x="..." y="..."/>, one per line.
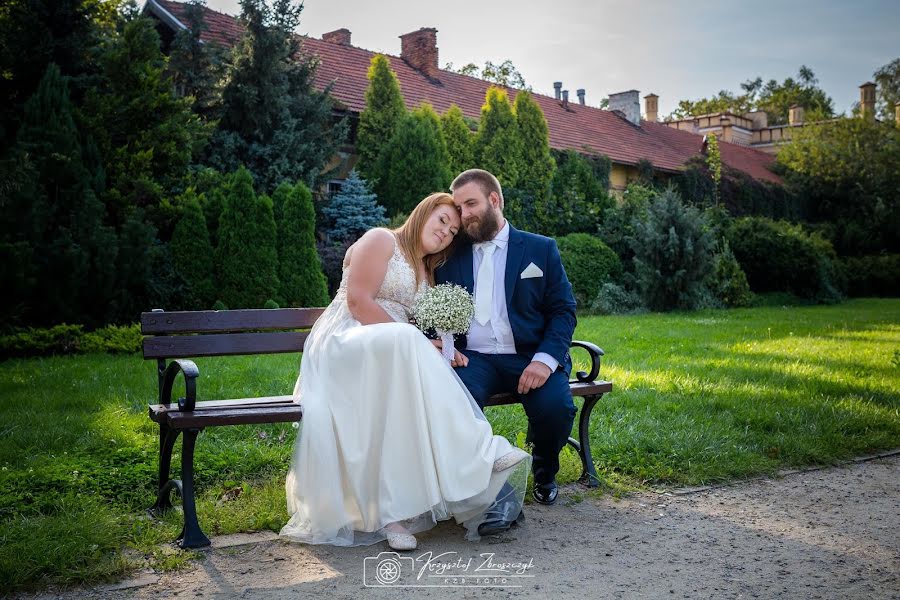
<point x="699" y="397"/>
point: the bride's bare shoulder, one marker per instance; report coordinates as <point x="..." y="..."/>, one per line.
<point x="378" y="242"/>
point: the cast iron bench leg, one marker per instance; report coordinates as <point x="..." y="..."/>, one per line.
<point x="589" y="472"/>
<point x="191" y="535"/>
<point x="167" y="437"/>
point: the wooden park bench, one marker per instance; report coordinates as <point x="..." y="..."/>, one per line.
<point x="171" y="338"/>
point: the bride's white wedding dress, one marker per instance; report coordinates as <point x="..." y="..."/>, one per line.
<point x="389" y="432"/>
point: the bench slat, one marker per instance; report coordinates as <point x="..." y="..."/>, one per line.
<point x="248" y="416"/>
<point x="211" y="321"/>
<point x="158" y="411"/>
<point x="223" y="344"/>
<point x="578" y="389"/>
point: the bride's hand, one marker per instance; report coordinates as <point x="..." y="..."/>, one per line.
<point x="459" y="359"/>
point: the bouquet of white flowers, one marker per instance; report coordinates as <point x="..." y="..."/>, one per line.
<point x="448" y="310"/>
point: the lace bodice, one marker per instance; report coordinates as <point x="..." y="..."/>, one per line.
<point x="398" y="290"/>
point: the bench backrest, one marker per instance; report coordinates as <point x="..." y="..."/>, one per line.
<point x="188" y="334"/>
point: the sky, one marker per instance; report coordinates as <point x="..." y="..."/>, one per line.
<point x="676" y="49"/>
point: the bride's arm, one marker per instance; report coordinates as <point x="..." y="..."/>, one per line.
<point x="368" y="263"/>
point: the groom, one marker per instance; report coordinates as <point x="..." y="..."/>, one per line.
<point x="524" y="319"/>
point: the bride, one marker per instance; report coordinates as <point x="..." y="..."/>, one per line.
<point x="391" y="441"/>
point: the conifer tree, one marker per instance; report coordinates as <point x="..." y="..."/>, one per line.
<point x="537" y="165"/>
<point x="198" y="67"/>
<point x="300" y="270"/>
<point x="274" y="122"/>
<point x="192" y="253"/>
<point x="52" y="229"/>
<point x="353" y="211"/>
<point x="459" y="141"/>
<point x="498" y="147"/>
<point x="247" y="260"/>
<point x="379" y="121"/>
<point x="415" y="162"/>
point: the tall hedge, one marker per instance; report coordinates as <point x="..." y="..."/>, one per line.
<point x="246" y="256"/>
<point x="192" y="253"/>
<point x="300" y="270"/>
<point x="379" y="120"/>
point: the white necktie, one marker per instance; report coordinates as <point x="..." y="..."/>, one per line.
<point x="484" y="286"/>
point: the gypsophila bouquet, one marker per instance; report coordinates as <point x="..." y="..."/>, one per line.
<point x="448" y="310"/>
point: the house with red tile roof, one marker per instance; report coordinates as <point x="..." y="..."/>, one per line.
<point x="618" y="133"/>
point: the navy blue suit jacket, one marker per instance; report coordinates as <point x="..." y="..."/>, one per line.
<point x="541" y="309"/>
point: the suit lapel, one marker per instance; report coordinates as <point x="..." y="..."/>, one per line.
<point x="514" y="253"/>
<point x="467" y="276"/>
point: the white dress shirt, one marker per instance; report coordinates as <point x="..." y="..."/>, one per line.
<point x="496" y="336"/>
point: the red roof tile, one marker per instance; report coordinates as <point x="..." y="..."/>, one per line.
<point x="579" y="127"/>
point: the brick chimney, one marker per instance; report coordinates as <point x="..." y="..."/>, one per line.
<point x="651" y="107"/>
<point x="580" y="93"/>
<point x="419" y="50"/>
<point x="628" y="103"/>
<point x="557" y="89"/>
<point x="795" y="115"/>
<point x="867" y="100"/>
<point x="338" y="36"/>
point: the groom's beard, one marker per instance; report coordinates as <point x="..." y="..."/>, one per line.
<point x="483" y="228"/>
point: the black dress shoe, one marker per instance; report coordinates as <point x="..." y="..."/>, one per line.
<point x="545" y="493"/>
<point x="498" y="524"/>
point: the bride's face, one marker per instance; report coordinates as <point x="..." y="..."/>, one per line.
<point x="440" y="229"/>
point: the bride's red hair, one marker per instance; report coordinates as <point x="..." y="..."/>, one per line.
<point x="409" y="235"/>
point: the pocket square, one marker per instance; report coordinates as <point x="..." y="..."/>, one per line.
<point x="530" y="271"/>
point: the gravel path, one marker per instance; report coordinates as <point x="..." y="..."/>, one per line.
<point x="831" y="533"/>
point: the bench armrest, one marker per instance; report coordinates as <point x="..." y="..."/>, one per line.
<point x="190" y="372"/>
<point x="595" y="353"/>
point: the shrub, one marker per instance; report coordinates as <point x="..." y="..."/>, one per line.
<point x="353" y="211"/>
<point x="300" y="270"/>
<point x="780" y="257"/>
<point x="70" y="339"/>
<point x="271" y="304"/>
<point x="219" y="305"/>
<point x="672" y="249"/>
<point x="614" y="299"/>
<point x="589" y="263"/>
<point x="332" y="255"/>
<point x="876" y="275"/>
<point x="727" y="282"/>
<point x="618" y="221"/>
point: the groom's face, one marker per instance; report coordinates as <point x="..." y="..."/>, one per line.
<point x="480" y="212"/>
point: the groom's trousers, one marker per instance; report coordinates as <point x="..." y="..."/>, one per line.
<point x="549" y="408"/>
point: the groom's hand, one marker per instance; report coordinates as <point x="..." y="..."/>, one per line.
<point x="534" y="376"/>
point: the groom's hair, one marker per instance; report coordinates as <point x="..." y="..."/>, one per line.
<point x="485" y="180"/>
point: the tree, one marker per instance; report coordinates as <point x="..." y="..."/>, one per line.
<point x="578" y="195"/>
<point x="192" y="253"/>
<point x="353" y="211"/>
<point x="247" y="259"/>
<point x="773" y="97"/>
<point x="300" y="270"/>
<point x="414" y="162"/>
<point x="379" y="120"/>
<point x="52" y="235"/>
<point x="848" y="173"/>
<point x="777" y="98"/>
<point x="505" y="74"/>
<point x="673" y="252"/>
<point x="146" y="136"/>
<point x="498" y="147"/>
<point x="887" y="78"/>
<point x="459" y="140"/>
<point x="35" y="33"/>
<point x="537" y="167"/>
<point x="273" y="121"/>
<point x="198" y="68"/>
